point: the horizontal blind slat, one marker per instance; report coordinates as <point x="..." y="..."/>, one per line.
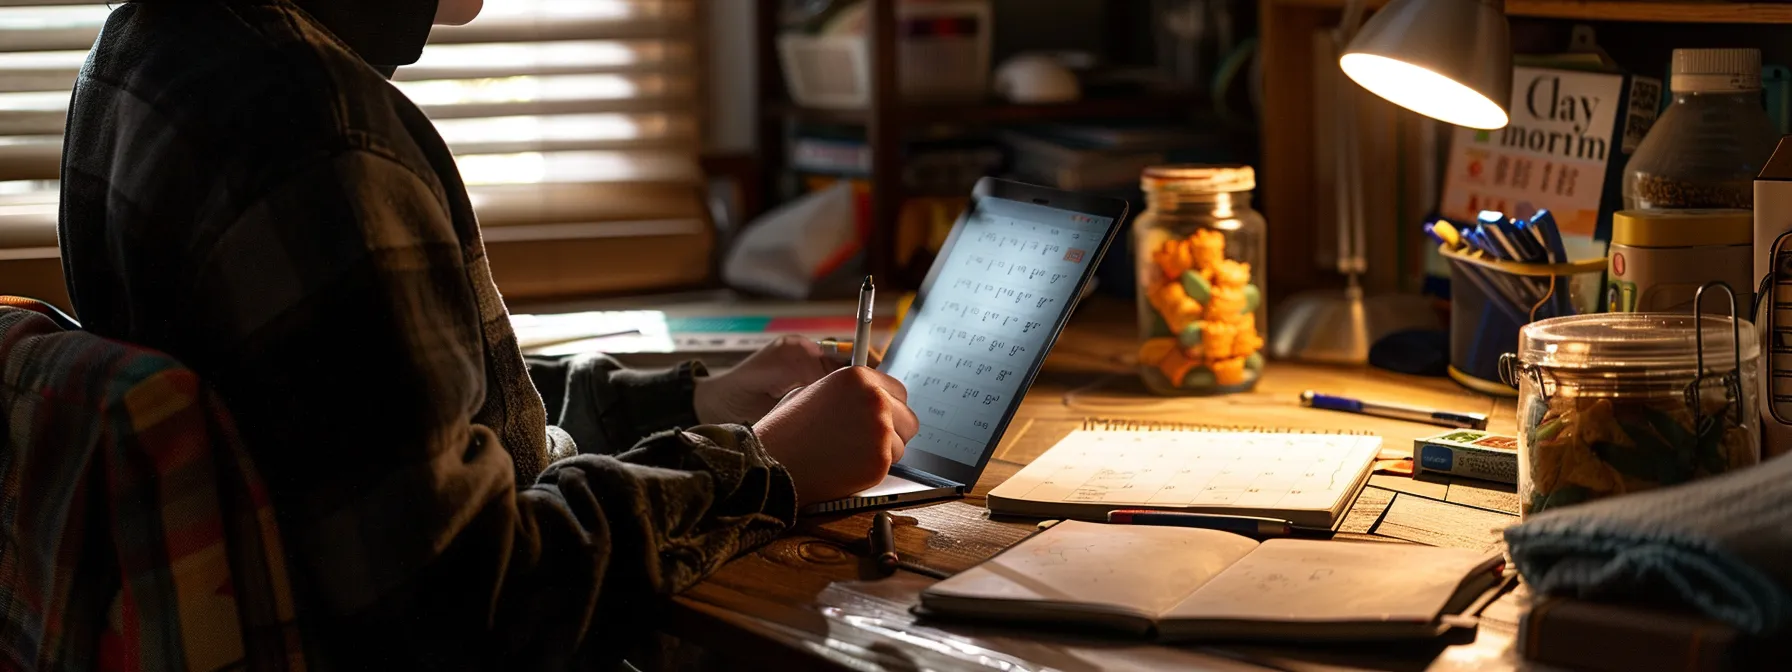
<point x="51" y="26"/>
<point x="496" y="59"/>
<point x="541" y="20"/>
<point x="47" y="3"/>
<point x="493" y="135"/>
<point x="30" y="158"/>
<point x="549" y="94"/>
<point x="501" y="205"/>
<point x="579" y="166"/>
<point x="56" y="70"/>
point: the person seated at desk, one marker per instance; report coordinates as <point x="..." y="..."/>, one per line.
<point x="243" y="189"/>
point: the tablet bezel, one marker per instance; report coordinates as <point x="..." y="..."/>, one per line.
<point x="992" y="188"/>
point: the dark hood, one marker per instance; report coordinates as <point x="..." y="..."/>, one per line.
<point x="385" y="33"/>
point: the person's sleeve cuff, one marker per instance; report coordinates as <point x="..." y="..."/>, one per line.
<point x="659" y="400"/>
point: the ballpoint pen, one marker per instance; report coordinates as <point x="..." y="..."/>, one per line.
<point x="1431" y="416"/>
<point x="1250" y="526"/>
<point x="862" y="355"/>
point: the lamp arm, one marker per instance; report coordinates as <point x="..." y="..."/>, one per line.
<point x="1352" y="20"/>
<point x="1351" y="234"/>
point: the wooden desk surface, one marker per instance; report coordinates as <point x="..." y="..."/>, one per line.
<point x="810" y="601"/>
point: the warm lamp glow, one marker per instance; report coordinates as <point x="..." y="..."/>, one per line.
<point x="1423" y="91"/>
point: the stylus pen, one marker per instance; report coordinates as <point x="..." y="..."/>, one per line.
<point x="862" y="355"/>
<point x="1457" y="419"/>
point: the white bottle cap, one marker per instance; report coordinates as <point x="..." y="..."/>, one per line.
<point x="1715" y="70"/>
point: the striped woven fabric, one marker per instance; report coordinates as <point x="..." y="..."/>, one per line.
<point x="62" y="319"/>
<point x="134" y="533"/>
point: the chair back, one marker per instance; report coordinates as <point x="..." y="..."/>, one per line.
<point x="135" y="533"/>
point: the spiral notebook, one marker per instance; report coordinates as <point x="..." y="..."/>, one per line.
<point x="1306" y="478"/>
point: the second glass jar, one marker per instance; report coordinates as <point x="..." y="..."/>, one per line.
<point x="1202" y="312"/>
<point x="1607" y="404"/>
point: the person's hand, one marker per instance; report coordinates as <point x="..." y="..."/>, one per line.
<point x="745" y="393"/>
<point x="841" y="434"/>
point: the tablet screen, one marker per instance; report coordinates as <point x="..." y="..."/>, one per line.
<point x="987" y="318"/>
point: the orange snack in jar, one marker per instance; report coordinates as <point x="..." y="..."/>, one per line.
<point x="1228" y="371"/>
<point x="1209" y="248"/>
<point x="1156" y="349"/>
<point x="1171" y="258"/>
<point x="1248" y="341"/>
<point x="1175" y="366"/>
<point x="1165" y="258"/>
<point x="1217" y="338"/>
<point x="1230" y="273"/>
<point x="1228" y="304"/>
<point x="1174" y="304"/>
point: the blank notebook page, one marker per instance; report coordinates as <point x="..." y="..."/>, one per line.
<point x="1305" y="580"/>
<point x="1144" y="569"/>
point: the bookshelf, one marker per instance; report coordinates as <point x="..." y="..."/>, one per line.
<point x="1288" y="178"/>
<point x="888" y="119"/>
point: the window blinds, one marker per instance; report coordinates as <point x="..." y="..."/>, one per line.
<point x="573" y="122"/>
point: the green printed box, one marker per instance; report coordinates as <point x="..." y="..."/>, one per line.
<point x="1468" y="452"/>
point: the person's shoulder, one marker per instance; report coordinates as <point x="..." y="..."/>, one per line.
<point x="256" y="78"/>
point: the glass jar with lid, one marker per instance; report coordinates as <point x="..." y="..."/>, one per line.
<point x="1617" y="403"/>
<point x="1709" y="144"/>
<point x="1200" y="272"/>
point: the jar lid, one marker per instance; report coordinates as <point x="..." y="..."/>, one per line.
<point x="1652" y="342"/>
<point x="1715" y="70"/>
<point x="1196" y="178"/>
<point x="1683" y="227"/>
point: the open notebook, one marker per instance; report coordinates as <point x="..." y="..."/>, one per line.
<point x="1305" y="478"/>
<point x="1179" y="584"/>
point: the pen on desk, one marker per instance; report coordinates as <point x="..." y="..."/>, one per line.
<point x="862" y="356"/>
<point x="1245" y="525"/>
<point x="883" y="543"/>
<point x="1313" y="399"/>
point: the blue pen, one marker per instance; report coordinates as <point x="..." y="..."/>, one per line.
<point x="1459" y="420"/>
<point x="1506" y="245"/>
<point x="1545" y="224"/>
<point x="1431" y="230"/>
<point x="1530" y="251"/>
<point x="1478" y="241"/>
<point x="1507" y="238"/>
<point x="1532" y="238"/>
<point x="1514" y="288"/>
<point x="1537" y="232"/>
<point x="1249" y="526"/>
<point x="1499" y="230"/>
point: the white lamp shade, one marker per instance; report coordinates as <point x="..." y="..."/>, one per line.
<point x="1450" y="60"/>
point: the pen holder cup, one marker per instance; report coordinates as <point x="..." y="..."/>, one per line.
<point x="1491" y="300"/>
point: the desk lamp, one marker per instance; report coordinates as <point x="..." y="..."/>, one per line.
<point x="1450" y="60"/>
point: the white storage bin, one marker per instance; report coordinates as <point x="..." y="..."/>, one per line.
<point x="834" y="71"/>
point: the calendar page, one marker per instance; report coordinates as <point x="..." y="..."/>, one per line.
<point x="1264" y="471"/>
<point x="1000" y="291"/>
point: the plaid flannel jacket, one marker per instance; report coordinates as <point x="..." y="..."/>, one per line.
<point x="244" y="192"/>
<point x="137" y="535"/>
